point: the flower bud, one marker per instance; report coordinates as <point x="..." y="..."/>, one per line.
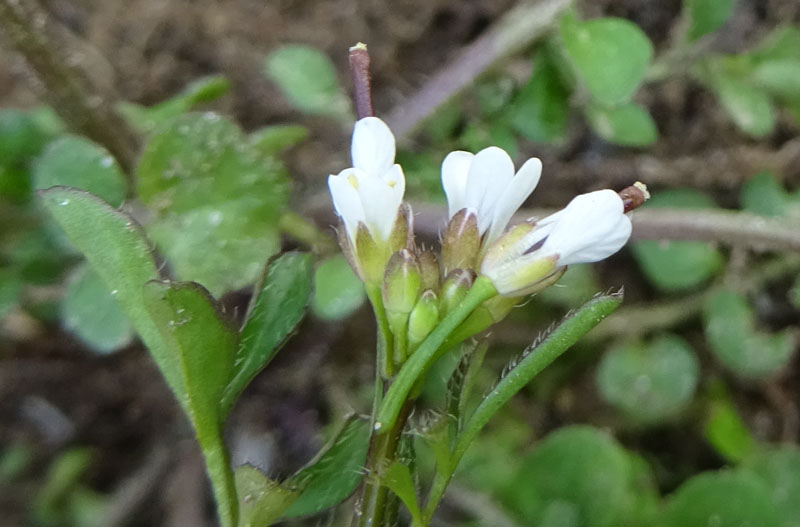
<point x="402" y="236"/>
<point x="423" y="319"/>
<point x="429" y="267"/>
<point x="401" y="284"/>
<point x="454" y="289"/>
<point x="461" y="242"/>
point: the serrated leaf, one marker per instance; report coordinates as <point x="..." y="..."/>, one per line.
<point x="146" y="119"/>
<point x="779" y="468"/>
<point x="541" y="109"/>
<point x="338" y="292"/>
<point x="610" y="55"/>
<point x="627" y="125"/>
<point x="335" y="473"/>
<point x="308" y="80"/>
<point x="218" y="199"/>
<point x="678" y="265"/>
<point x="649" y="383"/>
<point x="261" y="500"/>
<point x="762" y="194"/>
<point x="73" y="161"/>
<point x="721" y="499"/>
<point x="89" y="310"/>
<point x="736" y="343"/>
<point x="398" y="478"/>
<point x="706" y="16"/>
<point x="278" y="306"/>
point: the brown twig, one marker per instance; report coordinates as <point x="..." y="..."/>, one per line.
<point x="362" y="81"/>
<point x="83" y="106"/>
<point x="516" y="29"/>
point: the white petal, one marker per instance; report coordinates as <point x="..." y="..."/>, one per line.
<point x="455" y="169"/>
<point x="489" y="174"/>
<point x="592" y="227"/>
<point x="513" y="196"/>
<point x="346" y="201"/>
<point x="381" y="202"/>
<point x="373" y="147"/>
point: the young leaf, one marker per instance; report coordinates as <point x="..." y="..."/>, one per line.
<point x="338" y="292"/>
<point x="706" y="16"/>
<point x="726" y="432"/>
<point x="398" y="478"/>
<point x="649" y="383"/>
<point x="627" y="125"/>
<point x="610" y="55"/>
<point x="678" y="265"/>
<point x="722" y="499"/>
<point x="89" y="310"/>
<point x="334" y="474"/>
<point x="77" y="162"/>
<point x="534" y="359"/>
<point x="308" y="79"/>
<point x="734" y="340"/>
<point x="277" y="307"/>
<point x="261" y="500"/>
<point x="540" y="110"/>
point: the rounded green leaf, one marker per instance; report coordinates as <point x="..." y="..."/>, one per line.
<point x="73" y="161"/>
<point x="762" y="194"/>
<point x="736" y="343"/>
<point x="338" y="292"/>
<point x="749" y="107"/>
<point x="781" y="78"/>
<point x="610" y="55"/>
<point x="649" y="383"/>
<point x="576" y="473"/>
<point x="779" y="468"/>
<point x="626" y="125"/>
<point x="90" y="310"/>
<point x="706" y="16"/>
<point x="721" y="499"/>
<point x="678" y="265"/>
<point x="307" y="77"/>
<point x="21" y="136"/>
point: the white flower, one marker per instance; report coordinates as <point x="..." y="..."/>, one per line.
<point x="371" y="191"/>
<point x="485" y="184"/>
<point x="592" y="227"/>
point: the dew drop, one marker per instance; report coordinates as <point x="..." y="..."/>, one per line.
<point x="64" y="202"/>
<point x="106" y="161"/>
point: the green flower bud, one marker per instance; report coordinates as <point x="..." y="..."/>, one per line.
<point x="461" y="242"/>
<point x="429" y="267"/>
<point x="401" y="284"/>
<point x="454" y="289"/>
<point x="423" y="319"/>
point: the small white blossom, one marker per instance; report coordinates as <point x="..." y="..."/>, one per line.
<point x="485" y="184"/>
<point x="592" y="227"/>
<point x="371" y="191"/>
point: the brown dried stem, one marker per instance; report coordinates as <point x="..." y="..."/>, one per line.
<point x="362" y="81"/>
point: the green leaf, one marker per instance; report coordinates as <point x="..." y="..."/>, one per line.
<point x="398" y="478"/>
<point x="626" y="125"/>
<point x="610" y="55"/>
<point x="276" y="309"/>
<point x="779" y="468"/>
<point x="735" y="342"/>
<point x="146" y="119"/>
<point x="22" y="136"/>
<point x="783" y="43"/>
<point x="335" y="473"/>
<point x="649" y="383"/>
<point x="338" y="292"/>
<point x="721" y="499"/>
<point x="749" y="107"/>
<point x="62" y="477"/>
<point x="273" y="140"/>
<point x="678" y="265"/>
<point x="533" y="360"/>
<point x="541" y="109"/>
<point x="261" y="500"/>
<point x="77" y="162"/>
<point x="577" y="473"/>
<point x="308" y="80"/>
<point x="89" y="310"/>
<point x="218" y="199"/>
<point x="762" y="194"/>
<point x="706" y="16"/>
<point x="780" y="78"/>
<point x="203" y="344"/>
<point x="726" y="431"/>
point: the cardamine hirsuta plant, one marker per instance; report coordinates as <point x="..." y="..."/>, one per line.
<point x="427" y="304"/>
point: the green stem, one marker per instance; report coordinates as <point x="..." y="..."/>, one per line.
<point x="423" y="357"/>
<point x="385" y="351"/>
<point x="219" y="471"/>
